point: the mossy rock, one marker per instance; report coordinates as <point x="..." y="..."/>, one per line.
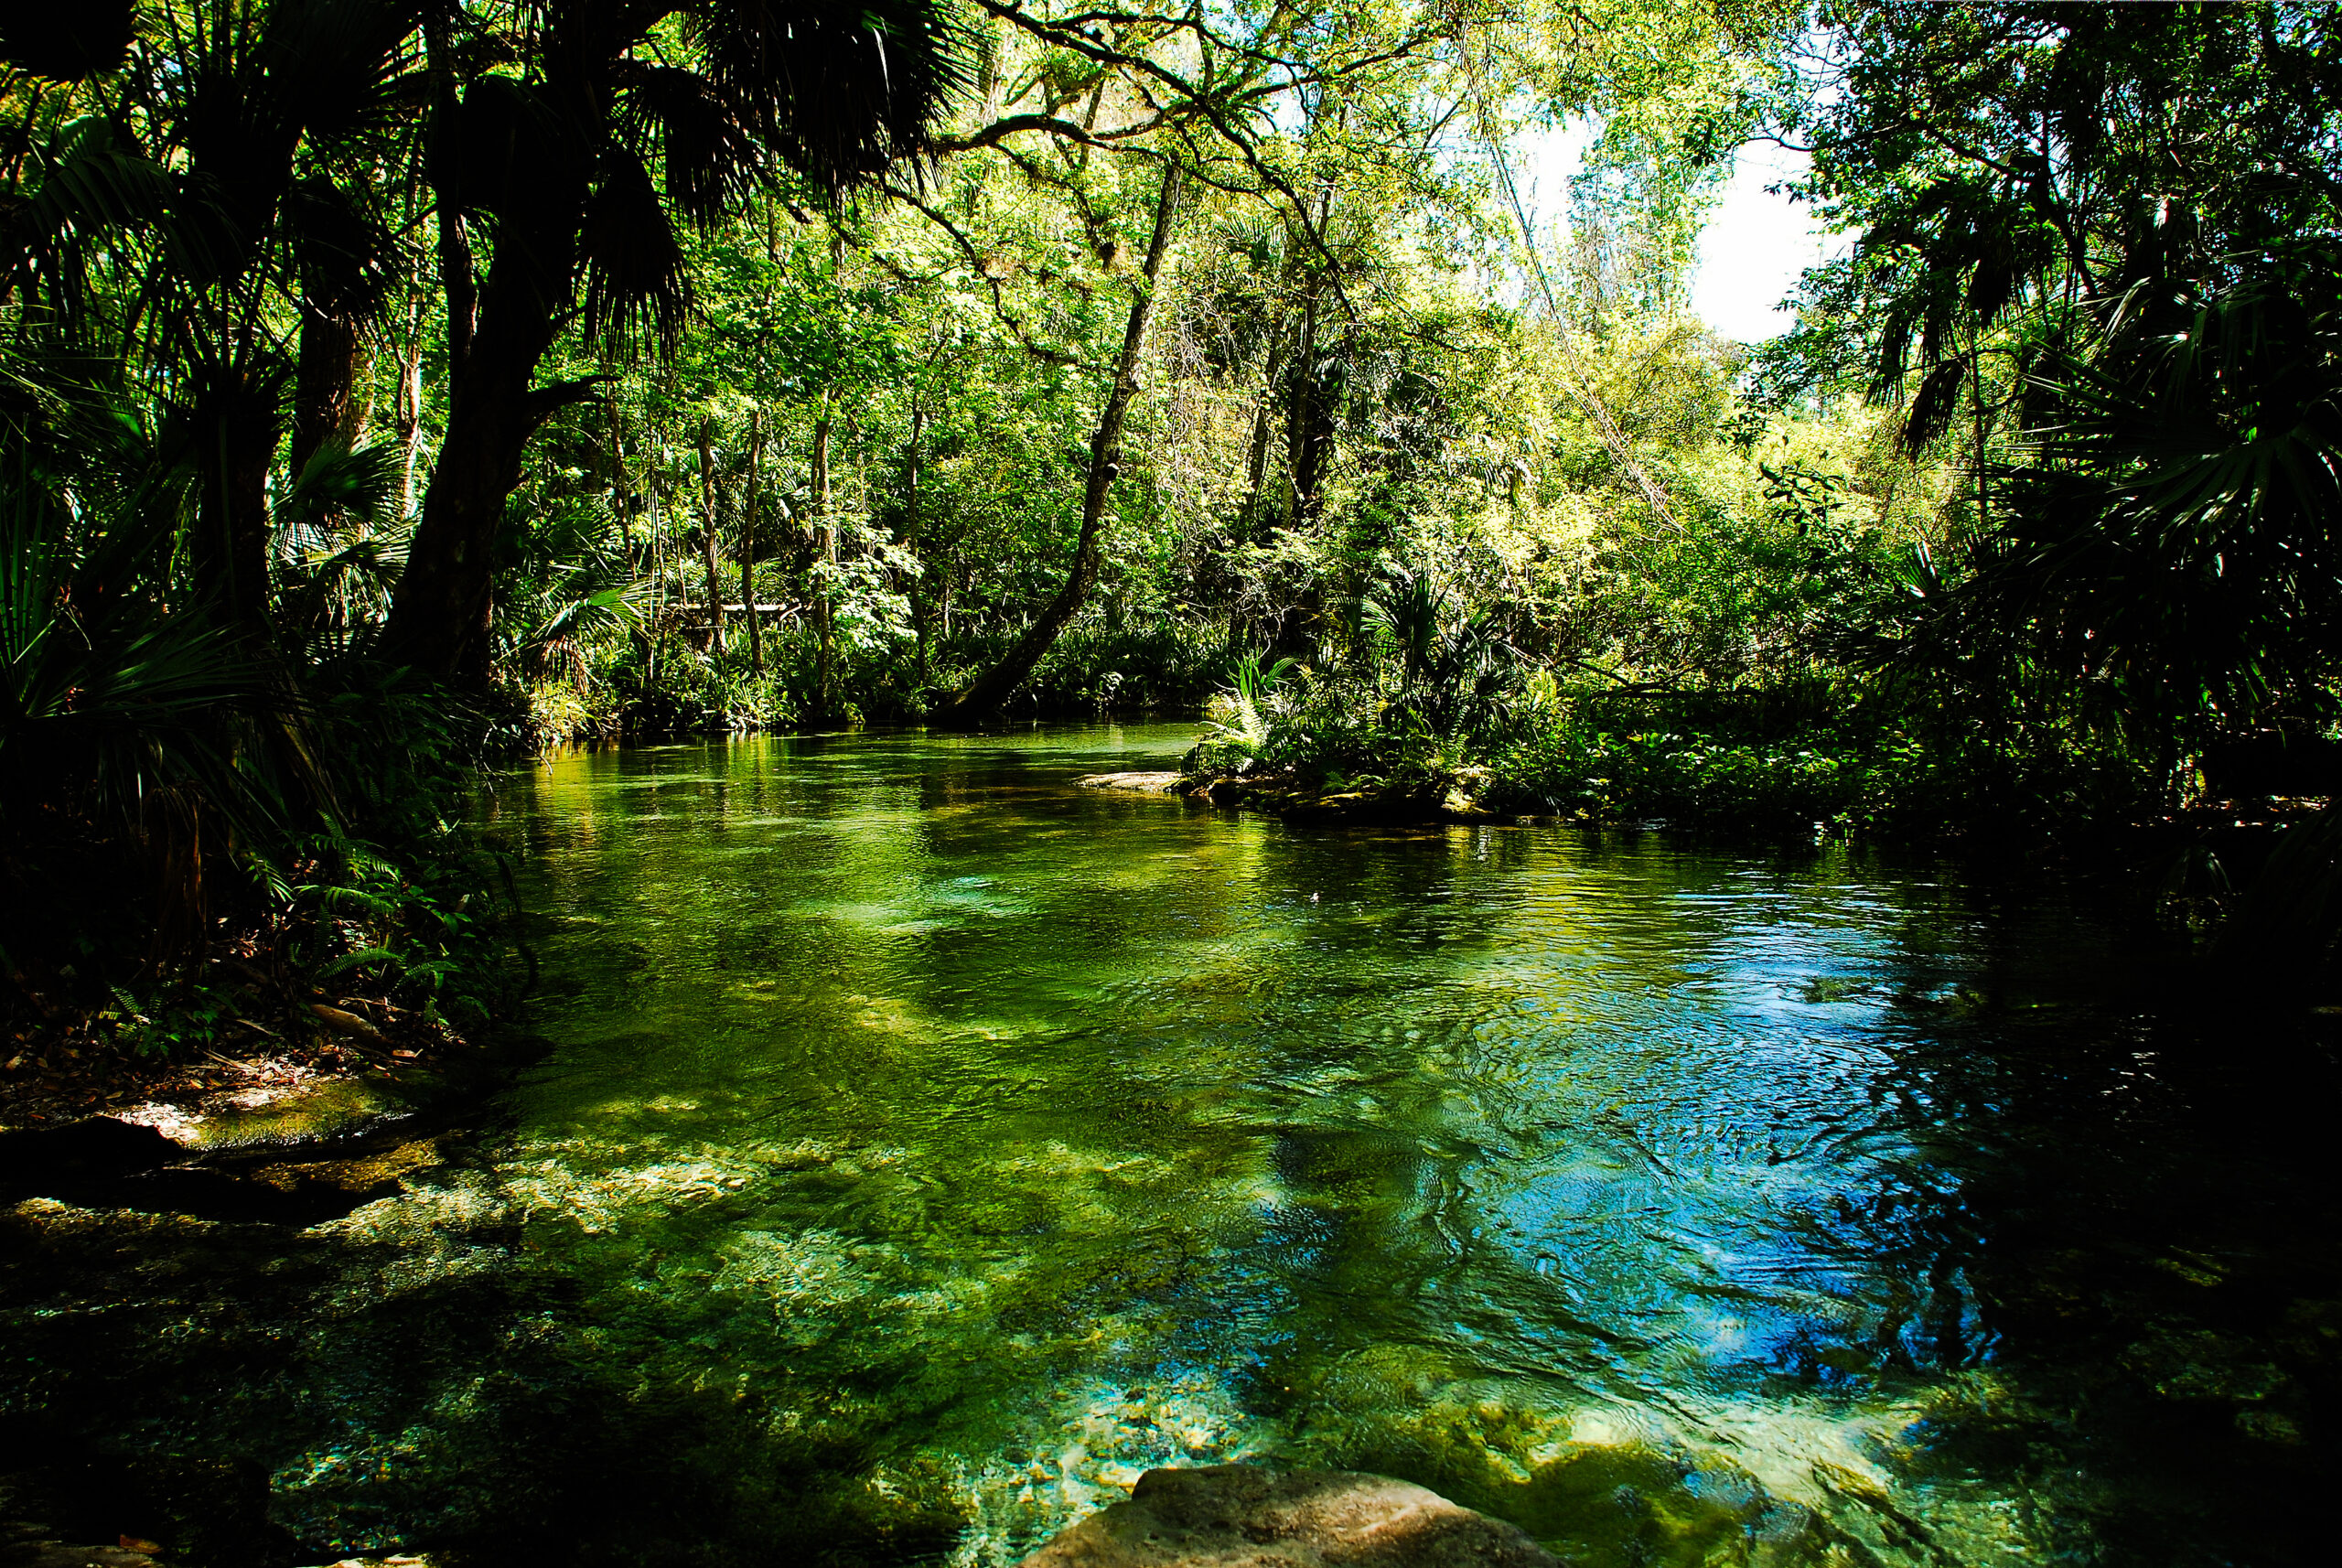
<point x="1598" y="1505"/>
<point x="1625" y="1506"/>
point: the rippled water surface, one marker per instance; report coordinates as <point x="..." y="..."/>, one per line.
<point x="927" y="1146"/>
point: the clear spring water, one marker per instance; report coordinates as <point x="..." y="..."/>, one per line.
<point x="927" y="1146"/>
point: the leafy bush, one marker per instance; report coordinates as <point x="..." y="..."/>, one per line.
<point x="1721" y="762"/>
<point x="1239" y="720"/>
<point x="175" y="793"/>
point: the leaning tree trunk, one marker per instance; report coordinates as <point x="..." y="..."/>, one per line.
<point x="983" y="696"/>
<point x="439" y="615"/>
<point x="825" y="549"/>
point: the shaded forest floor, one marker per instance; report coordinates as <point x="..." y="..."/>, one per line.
<point x="232" y="1040"/>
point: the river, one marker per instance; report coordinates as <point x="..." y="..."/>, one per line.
<point x="926" y="1146"/>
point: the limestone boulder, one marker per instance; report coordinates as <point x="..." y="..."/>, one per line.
<point x="1239" y="1516"/>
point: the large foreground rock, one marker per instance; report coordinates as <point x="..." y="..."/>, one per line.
<point x="1235" y="1516"/>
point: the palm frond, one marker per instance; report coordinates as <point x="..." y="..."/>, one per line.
<point x="361" y="482"/>
<point x="124" y="716"/>
<point x="839" y="88"/>
<point x="711" y="159"/>
<point x="92" y="183"/>
<point x="636" y="281"/>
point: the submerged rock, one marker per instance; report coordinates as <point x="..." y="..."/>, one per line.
<point x="107" y="1163"/>
<point x="1238" y="1515"/>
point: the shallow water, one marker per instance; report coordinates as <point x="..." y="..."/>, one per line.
<point x="928" y="1146"/>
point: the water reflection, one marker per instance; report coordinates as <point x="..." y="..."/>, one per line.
<point x="930" y="1146"/>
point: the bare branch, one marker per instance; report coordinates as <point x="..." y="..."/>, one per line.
<point x="1186" y="93"/>
<point x="994" y="135"/>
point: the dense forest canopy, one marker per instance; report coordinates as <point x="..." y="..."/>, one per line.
<point x="635" y="368"/>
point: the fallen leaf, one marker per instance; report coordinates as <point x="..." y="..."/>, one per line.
<point x="140" y="1544"/>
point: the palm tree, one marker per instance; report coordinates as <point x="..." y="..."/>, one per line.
<point x="163" y="215"/>
<point x="2172" y="560"/>
<point x="557" y="165"/>
<point x="140" y="743"/>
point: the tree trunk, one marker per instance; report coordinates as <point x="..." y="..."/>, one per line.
<point x="1309" y="426"/>
<point x="988" y="691"/>
<point x="921" y="607"/>
<point x="327" y="367"/>
<point x="407" y="419"/>
<point x="1252" y="520"/>
<point x="439" y="616"/>
<point x="1256" y="458"/>
<point x="825" y="549"/>
<point x="239" y="425"/>
<point x="621" y="502"/>
<point x="707" y="534"/>
<point x="497" y="334"/>
<point x="749" y="544"/>
<point x="654" y="484"/>
<point x="457" y="276"/>
<point x="358" y="413"/>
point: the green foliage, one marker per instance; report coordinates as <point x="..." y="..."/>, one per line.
<point x="1425" y="682"/>
<point x="2099" y="258"/>
<point x="1439" y="664"/>
<point x="2174" y="554"/>
<point x="171" y="791"/>
<point x="1156" y="665"/>
<point x="1817" y="765"/>
<point x="1237" y="720"/>
<point x="138" y="732"/>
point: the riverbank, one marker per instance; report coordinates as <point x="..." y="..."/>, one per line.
<point x="321" y="913"/>
<point x="276" y="1039"/>
<point x="1294" y="797"/>
<point x="294" y="1041"/>
<point x="299" y="1133"/>
<point x="1478" y="795"/>
<point x="2241" y="891"/>
<point x="267" y="1077"/>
